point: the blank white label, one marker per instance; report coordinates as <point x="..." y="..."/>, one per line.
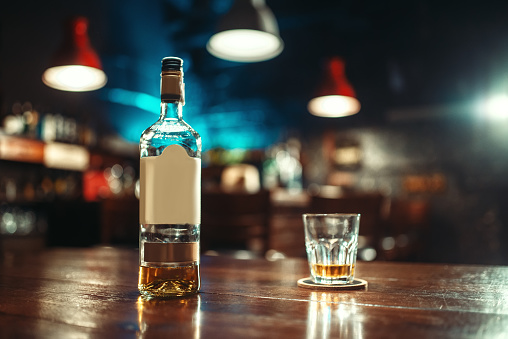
<point x="170" y="188"/>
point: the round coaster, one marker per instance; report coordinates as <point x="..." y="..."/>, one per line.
<point x="357" y="284"/>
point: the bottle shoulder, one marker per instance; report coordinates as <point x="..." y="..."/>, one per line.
<point x="170" y="126"/>
<point x="166" y="133"/>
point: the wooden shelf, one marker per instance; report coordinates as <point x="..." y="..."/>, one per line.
<point x="51" y="154"/>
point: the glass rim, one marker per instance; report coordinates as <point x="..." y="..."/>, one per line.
<point x="331" y="215"/>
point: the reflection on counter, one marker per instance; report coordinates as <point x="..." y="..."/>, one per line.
<point x="328" y="317"/>
<point x="156" y="316"/>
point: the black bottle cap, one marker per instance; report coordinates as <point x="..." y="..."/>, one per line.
<point x="172" y="64"/>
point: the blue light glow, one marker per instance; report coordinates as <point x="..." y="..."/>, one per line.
<point x="142" y="101"/>
<point x="243" y="124"/>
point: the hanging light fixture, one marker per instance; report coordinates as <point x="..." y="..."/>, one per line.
<point x="336" y="97"/>
<point x="76" y="66"/>
<point x="247" y="33"/>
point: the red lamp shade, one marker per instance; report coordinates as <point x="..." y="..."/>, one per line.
<point x="336" y="97"/>
<point x="76" y="66"/>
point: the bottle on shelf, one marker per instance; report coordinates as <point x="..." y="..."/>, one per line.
<point x="170" y="185"/>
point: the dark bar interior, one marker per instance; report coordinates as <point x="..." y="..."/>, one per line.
<point x="429" y="137"/>
<point x="417" y="141"/>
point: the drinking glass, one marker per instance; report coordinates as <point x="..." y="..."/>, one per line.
<point x="331" y="241"/>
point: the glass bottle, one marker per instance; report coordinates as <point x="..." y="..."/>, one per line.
<point x="170" y="191"/>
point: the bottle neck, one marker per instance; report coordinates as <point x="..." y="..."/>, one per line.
<point x="172" y="95"/>
<point x="171" y="110"/>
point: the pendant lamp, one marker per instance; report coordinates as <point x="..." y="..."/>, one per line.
<point x="76" y="66"/>
<point x="247" y="33"/>
<point x="336" y="97"/>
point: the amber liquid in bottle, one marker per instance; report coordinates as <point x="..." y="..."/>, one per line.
<point x="169" y="281"/>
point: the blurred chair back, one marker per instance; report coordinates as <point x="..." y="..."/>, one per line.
<point x="119" y="221"/>
<point x="370" y="206"/>
<point x="235" y="221"/>
<point x="407" y="215"/>
<point x="408" y="225"/>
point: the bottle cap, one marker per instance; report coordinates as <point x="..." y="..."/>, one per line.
<point x="172" y="86"/>
<point x="171" y="64"/>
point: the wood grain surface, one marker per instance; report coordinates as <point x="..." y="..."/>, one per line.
<point x="67" y="293"/>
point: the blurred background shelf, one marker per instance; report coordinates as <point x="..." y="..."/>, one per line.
<point x="430" y="137"/>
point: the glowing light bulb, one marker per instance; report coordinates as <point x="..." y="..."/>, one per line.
<point x="333" y="106"/>
<point x="74" y="78"/>
<point x="496" y="108"/>
<point x="245" y="45"/>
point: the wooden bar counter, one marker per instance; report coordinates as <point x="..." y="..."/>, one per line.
<point x="90" y="293"/>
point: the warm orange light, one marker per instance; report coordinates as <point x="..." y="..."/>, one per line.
<point x="66" y="156"/>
